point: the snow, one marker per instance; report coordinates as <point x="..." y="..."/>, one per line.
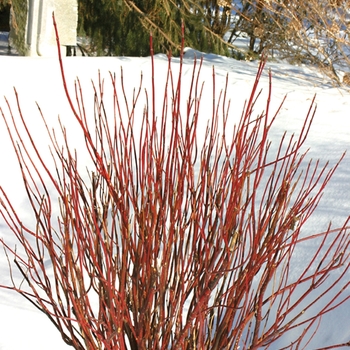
<point x="38" y="79"/>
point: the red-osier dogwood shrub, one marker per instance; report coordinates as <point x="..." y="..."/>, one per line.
<point x="172" y="244"/>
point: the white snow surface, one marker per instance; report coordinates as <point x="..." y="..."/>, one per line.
<point x="39" y="80"/>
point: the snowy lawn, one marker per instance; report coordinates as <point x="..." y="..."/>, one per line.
<point x="38" y="79"/>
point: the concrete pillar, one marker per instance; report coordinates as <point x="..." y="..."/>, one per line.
<point x="40" y="33"/>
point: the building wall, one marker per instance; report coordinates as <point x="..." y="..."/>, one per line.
<point x="41" y="38"/>
<point x="32" y="31"/>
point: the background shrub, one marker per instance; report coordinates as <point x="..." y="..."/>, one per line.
<point x="310" y="32"/>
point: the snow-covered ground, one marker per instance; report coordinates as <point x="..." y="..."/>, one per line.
<point x="38" y="79"/>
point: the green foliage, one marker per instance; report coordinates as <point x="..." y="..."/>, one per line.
<point x="18" y="25"/>
<point x="217" y="15"/>
<point x="122" y="27"/>
<point x="4" y="4"/>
